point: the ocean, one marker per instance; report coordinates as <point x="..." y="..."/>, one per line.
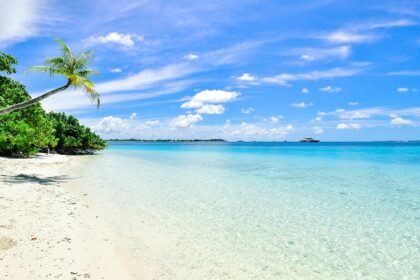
<point x="262" y="210"/>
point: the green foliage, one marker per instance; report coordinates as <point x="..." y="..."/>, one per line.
<point x="74" y="138"/>
<point x="22" y="133"/>
<point x="25" y="132"/>
<point x="74" y="68"/>
<point x="6" y="63"/>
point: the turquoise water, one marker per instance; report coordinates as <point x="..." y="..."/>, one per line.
<point x="263" y="210"/>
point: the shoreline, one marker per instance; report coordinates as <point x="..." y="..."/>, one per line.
<point x="47" y="229"/>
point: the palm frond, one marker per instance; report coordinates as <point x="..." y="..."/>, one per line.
<point x="56" y="62"/>
<point x="38" y="69"/>
<point x="86" y="73"/>
<point x="64" y="48"/>
<point x="74" y="68"/>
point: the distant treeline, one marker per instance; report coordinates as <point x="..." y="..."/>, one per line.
<point x="166" y="140"/>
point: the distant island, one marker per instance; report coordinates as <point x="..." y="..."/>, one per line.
<point x="166" y="140"/>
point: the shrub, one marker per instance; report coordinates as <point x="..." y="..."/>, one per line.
<point x="74" y="138"/>
<point x="24" y="132"/>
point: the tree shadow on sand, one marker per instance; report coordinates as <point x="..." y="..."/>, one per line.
<point x="25" y="178"/>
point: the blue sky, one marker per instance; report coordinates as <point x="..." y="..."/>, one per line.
<point x="238" y="70"/>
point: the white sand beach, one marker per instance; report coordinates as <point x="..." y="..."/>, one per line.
<point x="46" y="230"/>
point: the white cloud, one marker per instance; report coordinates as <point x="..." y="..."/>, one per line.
<point x="210" y="96"/>
<point x="405" y="89"/>
<point x="357" y="33"/>
<point x="317" y="130"/>
<point x="21" y="19"/>
<point x="330" y="89"/>
<point x="397" y="120"/>
<point x="353" y="103"/>
<point x="275" y="119"/>
<point x="191" y="57"/>
<point x="285" y="78"/>
<point x="145" y="78"/>
<point x="357" y="114"/>
<point x="124" y="39"/>
<point x="387" y="24"/>
<point x="133" y="116"/>
<point x="246" y="77"/>
<point x="305" y="90"/>
<point x="253" y="131"/>
<point x="344" y="126"/>
<point x="116" y="70"/>
<point x="307" y="57"/>
<point x="192" y="104"/>
<point x="247" y="111"/>
<point x="404" y="73"/>
<point x="348" y="37"/>
<point x="311" y="54"/>
<point x="301" y="105"/>
<point x="185" y="121"/>
<point x="150" y="124"/>
<point x="111" y="124"/>
<point x="211" y="109"/>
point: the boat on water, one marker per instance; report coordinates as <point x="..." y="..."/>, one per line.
<point x="309" y="140"/>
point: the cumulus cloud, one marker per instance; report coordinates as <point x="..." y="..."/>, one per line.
<point x="353" y="103"/>
<point x="250" y="131"/>
<point x="330" y="89"/>
<point x="275" y="119"/>
<point x="345" y="126"/>
<point x="246" y="77"/>
<point x="305" y="90"/>
<point x="399" y="121"/>
<point x="247" y="111"/>
<point x="301" y="105"/>
<point x="133" y="116"/>
<point x="357" y="114"/>
<point x="111" y="124"/>
<point x="127" y="40"/>
<point x="116" y="70"/>
<point x="211" y="109"/>
<point x="186" y="121"/>
<point x="210" y="97"/>
<point x="150" y="124"/>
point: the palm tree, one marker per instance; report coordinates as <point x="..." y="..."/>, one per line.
<point x="73" y="67"/>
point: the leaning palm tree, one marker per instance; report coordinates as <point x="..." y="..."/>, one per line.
<point x="72" y="67"/>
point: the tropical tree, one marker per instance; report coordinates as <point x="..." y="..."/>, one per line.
<point x="72" y="67"/>
<point x="24" y="132"/>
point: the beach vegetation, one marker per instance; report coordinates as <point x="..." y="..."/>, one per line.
<point x="72" y="137"/>
<point x="22" y="132"/>
<point x="27" y="131"/>
<point x="73" y="67"/>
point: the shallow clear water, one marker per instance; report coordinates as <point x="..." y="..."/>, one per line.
<point x="263" y="210"/>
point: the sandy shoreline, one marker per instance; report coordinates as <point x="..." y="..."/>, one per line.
<point x="48" y="231"/>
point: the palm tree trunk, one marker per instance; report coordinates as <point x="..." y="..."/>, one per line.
<point x="31" y="102"/>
